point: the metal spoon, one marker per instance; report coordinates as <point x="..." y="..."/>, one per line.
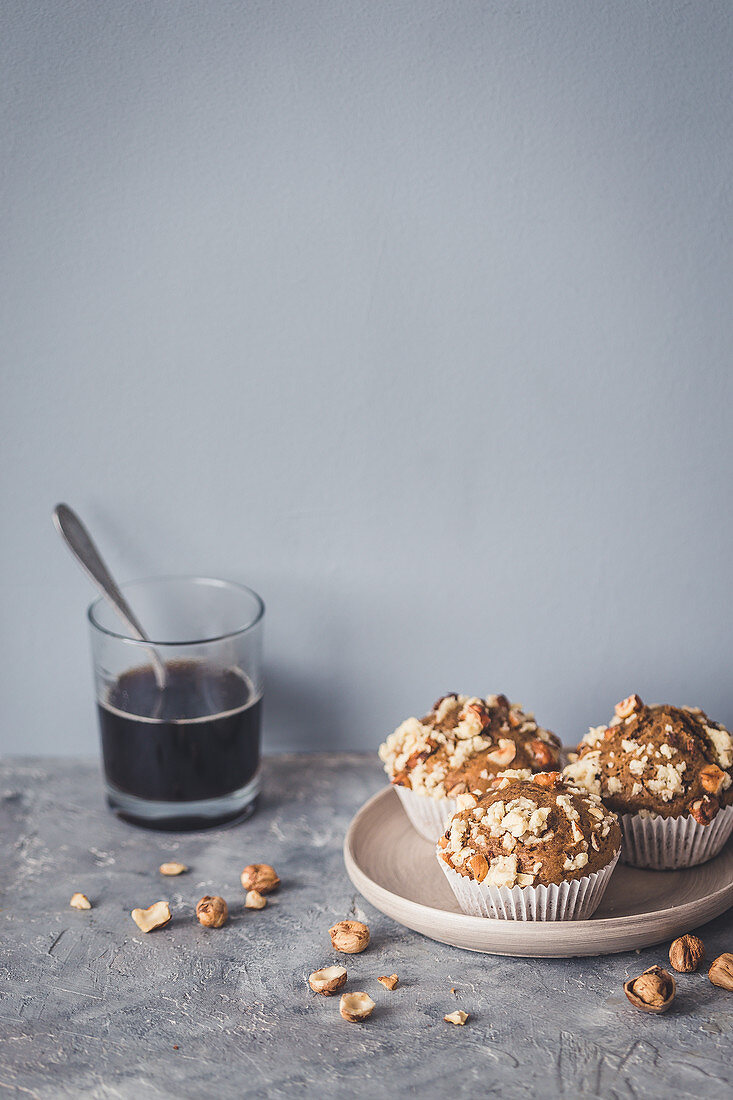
<point x="79" y="541"/>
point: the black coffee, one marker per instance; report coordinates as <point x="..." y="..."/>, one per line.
<point x="197" y="739"/>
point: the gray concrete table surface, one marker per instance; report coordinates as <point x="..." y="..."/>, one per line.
<point x="90" y="1006"/>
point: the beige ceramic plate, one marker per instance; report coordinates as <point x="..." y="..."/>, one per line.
<point x="396" y="870"/>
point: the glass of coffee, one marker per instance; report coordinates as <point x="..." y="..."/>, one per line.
<point x="179" y="716"/>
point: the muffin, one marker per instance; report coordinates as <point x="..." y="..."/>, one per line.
<point x="668" y="772"/>
<point x="531" y="849"/>
<point x="456" y="750"/>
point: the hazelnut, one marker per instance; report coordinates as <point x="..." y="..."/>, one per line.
<point x="260" y="877"/>
<point x="514" y="719"/>
<point x="704" y="809"/>
<point x="458" y="1017"/>
<point x="479" y="866"/>
<point x="456" y="789"/>
<point x="389" y="982"/>
<point x="349" y="936"/>
<point x="721" y="971"/>
<point x="547" y="779"/>
<point x="212" y="912"/>
<point x="479" y="712"/>
<point x="155" y="916"/>
<point x="417" y="758"/>
<point x="466" y="801"/>
<point x="711" y="777"/>
<point x="686" y="954"/>
<point x="542" y="753"/>
<point x="328" y="980"/>
<point x="172" y="868"/>
<point x="254" y="900"/>
<point x="80" y="901"/>
<point x="627" y="706"/>
<point x="652" y="991"/>
<point x="505" y="753"/>
<point x="356" y="1007"/>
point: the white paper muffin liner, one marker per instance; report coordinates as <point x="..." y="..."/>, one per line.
<point x="430" y="816"/>
<point x="668" y="843"/>
<point x="574" y="900"/>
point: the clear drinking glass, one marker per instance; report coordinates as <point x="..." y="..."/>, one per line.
<point x="184" y="754"/>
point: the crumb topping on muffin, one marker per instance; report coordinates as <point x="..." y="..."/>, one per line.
<point x="529" y="832"/>
<point x="463" y="743"/>
<point x="663" y="760"/>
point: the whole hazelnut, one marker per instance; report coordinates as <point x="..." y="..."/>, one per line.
<point x="212" y="912"/>
<point x="652" y="991"/>
<point x="260" y="877"/>
<point x="686" y="954"/>
<point x="349" y="936"/>
<point x="721" y="972"/>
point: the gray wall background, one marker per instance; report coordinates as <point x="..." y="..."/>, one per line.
<point x="414" y="316"/>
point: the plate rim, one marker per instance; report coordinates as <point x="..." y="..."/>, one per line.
<point x="514" y="930"/>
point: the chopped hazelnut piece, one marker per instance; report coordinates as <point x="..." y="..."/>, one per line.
<point x="261" y="877"/>
<point x="328" y="980"/>
<point x="172" y="868"/>
<point x="456" y="789"/>
<point x="505" y="753"/>
<point x="704" y="809"/>
<point x="254" y="900"/>
<point x="627" y="706"/>
<point x="349" y="936"/>
<point x="458" y="1017"/>
<point x="712" y="778"/>
<point x="356" y="1007"/>
<point x="479" y="866"/>
<point x="80" y="901"/>
<point x="212" y="912"/>
<point x="547" y="779"/>
<point x="479" y="712"/>
<point x="389" y="982"/>
<point x="155" y="916"/>
<point x="542" y="753"/>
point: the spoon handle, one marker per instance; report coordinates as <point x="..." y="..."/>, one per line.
<point x="82" y="546"/>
